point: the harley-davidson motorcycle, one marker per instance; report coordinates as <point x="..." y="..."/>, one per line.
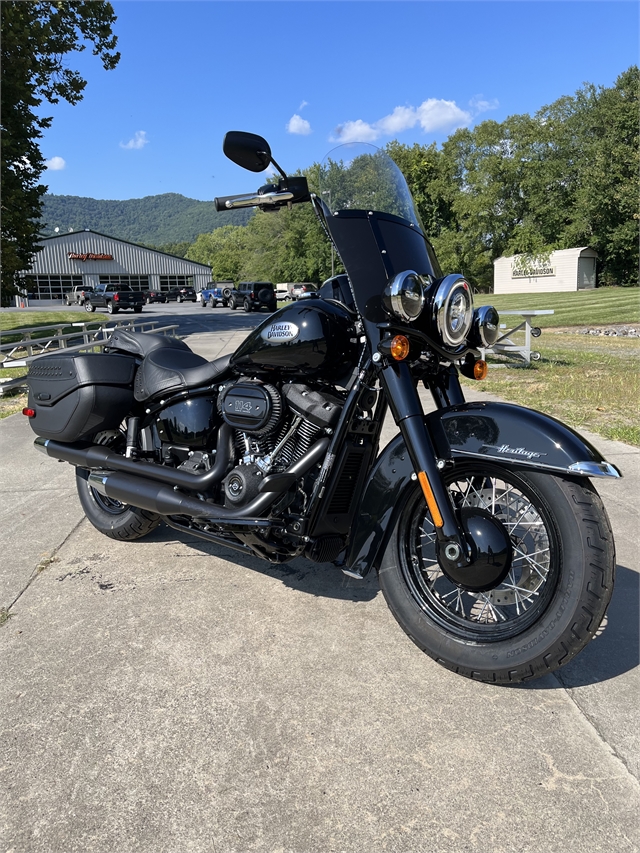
<point x="492" y="547"/>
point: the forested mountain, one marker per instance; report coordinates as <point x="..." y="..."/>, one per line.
<point x="154" y="220"/>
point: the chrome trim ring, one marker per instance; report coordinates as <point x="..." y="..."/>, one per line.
<point x="447" y="291"/>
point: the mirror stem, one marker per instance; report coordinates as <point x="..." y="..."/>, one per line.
<point x="278" y="168"/>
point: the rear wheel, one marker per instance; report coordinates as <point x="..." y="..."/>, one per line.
<point x="549" y="605"/>
<point x="232" y="305"/>
<point x="111" y="308"/>
<point x="116" y="520"/>
<point x="247" y="306"/>
<point x="137" y="309"/>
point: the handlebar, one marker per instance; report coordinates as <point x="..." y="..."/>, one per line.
<point x="232" y="202"/>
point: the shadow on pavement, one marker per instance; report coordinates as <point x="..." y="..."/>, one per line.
<point x="614" y="651"/>
<point x="318" y="579"/>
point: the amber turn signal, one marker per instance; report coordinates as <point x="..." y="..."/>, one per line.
<point x="480" y="369"/>
<point x="400" y="347"/>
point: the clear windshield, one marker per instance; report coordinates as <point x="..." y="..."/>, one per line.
<point x="358" y="176"/>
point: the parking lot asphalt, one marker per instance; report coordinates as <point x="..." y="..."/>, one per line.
<point x="172" y="695"/>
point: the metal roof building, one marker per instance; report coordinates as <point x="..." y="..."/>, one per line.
<point x="87" y="258"/>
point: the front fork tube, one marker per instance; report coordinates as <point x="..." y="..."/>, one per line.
<point x="452" y="547"/>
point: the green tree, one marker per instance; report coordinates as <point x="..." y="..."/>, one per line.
<point x="36" y="37"/>
<point x="223" y="250"/>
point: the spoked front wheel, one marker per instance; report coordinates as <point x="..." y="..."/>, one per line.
<point x="548" y="606"/>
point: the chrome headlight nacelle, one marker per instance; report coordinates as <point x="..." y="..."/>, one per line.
<point x="486" y="326"/>
<point x="404" y="296"/>
<point x="452" y="310"/>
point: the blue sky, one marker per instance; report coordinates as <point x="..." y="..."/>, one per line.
<point x="307" y="75"/>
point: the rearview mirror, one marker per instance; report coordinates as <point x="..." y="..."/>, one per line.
<point x="247" y="150"/>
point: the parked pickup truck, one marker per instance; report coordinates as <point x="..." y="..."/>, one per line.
<point x="79" y="295"/>
<point x="113" y="297"/>
<point x="218" y="294"/>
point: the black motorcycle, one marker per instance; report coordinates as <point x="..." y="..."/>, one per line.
<point x="493" y="549"/>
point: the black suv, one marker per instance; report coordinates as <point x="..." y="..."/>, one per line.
<point x="253" y="295"/>
<point x="181" y="294"/>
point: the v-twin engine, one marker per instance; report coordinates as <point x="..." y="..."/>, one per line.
<point x="272" y="429"/>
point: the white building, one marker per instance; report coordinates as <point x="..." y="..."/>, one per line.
<point x="565" y="270"/>
<point x="86" y="258"/>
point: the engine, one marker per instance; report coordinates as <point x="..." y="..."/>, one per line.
<point x="273" y="429"/>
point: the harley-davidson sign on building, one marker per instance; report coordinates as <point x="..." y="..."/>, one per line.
<point x="87" y="258"/>
<point x="563" y="270"/>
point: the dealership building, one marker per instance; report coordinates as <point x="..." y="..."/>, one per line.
<point x="561" y="272"/>
<point x="87" y="259"/>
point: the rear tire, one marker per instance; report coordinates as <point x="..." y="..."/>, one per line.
<point x="137" y="309"/>
<point x="549" y="606"/>
<point x="233" y="305"/>
<point x="116" y="520"/>
<point x="247" y="306"/>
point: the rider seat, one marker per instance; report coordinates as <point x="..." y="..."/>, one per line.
<point x="167" y="370"/>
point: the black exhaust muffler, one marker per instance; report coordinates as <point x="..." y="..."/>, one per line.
<point x="165" y="499"/>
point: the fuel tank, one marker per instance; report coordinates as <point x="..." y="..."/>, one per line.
<point x="309" y="338"/>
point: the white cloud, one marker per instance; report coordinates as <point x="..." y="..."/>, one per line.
<point x="299" y="125"/>
<point x="139" y="140"/>
<point x="303" y="105"/>
<point x="480" y="104"/>
<point x="432" y="114"/>
<point x="56" y="164"/>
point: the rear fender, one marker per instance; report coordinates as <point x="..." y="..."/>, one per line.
<point x="512" y="436"/>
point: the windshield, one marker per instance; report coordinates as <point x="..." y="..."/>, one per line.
<point x="358" y="176"/>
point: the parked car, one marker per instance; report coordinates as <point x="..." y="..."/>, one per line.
<point x="154" y="296"/>
<point x="282" y="293"/>
<point x="114" y="297"/>
<point x="253" y="295"/>
<point x="79" y="295"/>
<point x="181" y="294"/>
<point x="217" y="295"/>
<point x="299" y="290"/>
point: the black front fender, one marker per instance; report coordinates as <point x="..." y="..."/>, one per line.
<point x="510" y="435"/>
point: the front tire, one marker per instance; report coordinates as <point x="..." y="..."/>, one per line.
<point x="89" y="308"/>
<point x="550" y="604"/>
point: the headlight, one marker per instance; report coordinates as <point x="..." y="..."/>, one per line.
<point x="486" y="326"/>
<point x="453" y="310"/>
<point x="404" y="295"/>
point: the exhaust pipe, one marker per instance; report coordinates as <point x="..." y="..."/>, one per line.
<point x="98" y="456"/>
<point x="165" y="500"/>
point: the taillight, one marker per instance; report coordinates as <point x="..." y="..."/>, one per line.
<point x="251" y="296"/>
<point x="116" y="297"/>
<point x="29" y="413"/>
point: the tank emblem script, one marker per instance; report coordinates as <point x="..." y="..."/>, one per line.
<point x="277" y="332"/>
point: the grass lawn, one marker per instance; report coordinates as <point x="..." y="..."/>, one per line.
<point x="601" y="307"/>
<point x="583" y="380"/>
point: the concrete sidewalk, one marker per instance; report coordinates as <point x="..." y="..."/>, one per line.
<point x="171" y="695"/>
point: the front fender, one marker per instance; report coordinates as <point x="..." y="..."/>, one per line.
<point x="510" y="435"/>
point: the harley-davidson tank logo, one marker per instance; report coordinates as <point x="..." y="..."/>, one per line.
<point x="516" y="451"/>
<point x="278" y="332"/>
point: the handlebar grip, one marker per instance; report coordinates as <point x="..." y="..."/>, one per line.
<point x="220" y="202"/>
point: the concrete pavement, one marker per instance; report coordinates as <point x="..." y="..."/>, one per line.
<point x="172" y="695"/>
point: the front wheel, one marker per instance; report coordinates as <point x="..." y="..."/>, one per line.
<point x="89" y="308"/>
<point x="547" y="608"/>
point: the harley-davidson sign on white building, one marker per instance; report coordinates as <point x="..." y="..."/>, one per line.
<point x="564" y="270"/>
